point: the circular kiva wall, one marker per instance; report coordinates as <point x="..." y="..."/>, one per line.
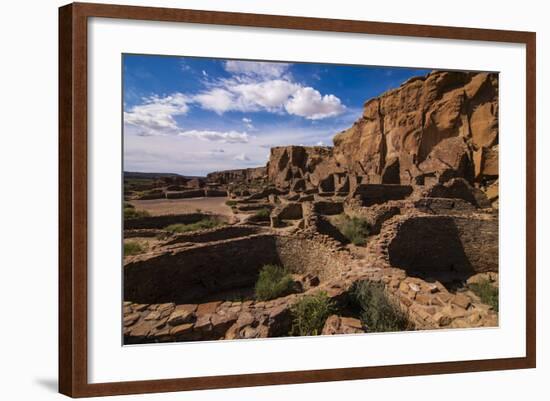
<point x="193" y="274"/>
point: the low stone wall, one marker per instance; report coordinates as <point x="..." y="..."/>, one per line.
<point x="162" y="221"/>
<point x="192" y="274"/>
<point x="375" y="215"/>
<point x="328" y="207"/>
<point x="215" y="234"/>
<point x="142" y="233"/>
<point x="443" y="244"/>
<point x="479" y="238"/>
<point x="286" y="211"/>
<point x="458" y="188"/>
<point x="193" y="193"/>
<point x="444" y="206"/>
<point x="372" y="194"/>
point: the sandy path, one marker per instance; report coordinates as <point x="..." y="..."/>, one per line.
<point x="157" y="207"/>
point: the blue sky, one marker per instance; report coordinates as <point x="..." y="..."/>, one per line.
<point x="197" y="115"/>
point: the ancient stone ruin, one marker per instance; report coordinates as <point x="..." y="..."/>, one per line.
<point x="418" y="170"/>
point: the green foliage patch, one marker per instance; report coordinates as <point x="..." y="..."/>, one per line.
<point x="487" y="292"/>
<point x="273" y="282"/>
<point x="310" y="313"/>
<point x="355" y="229"/>
<point x="134" y="248"/>
<point x="378" y="312"/>
<point x="131" y="213"/>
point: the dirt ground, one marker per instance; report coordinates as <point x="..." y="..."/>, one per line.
<point x="158" y="207"/>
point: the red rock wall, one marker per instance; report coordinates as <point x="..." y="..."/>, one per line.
<point x="429" y="125"/>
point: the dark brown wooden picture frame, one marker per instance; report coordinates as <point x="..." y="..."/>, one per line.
<point x="73" y="308"/>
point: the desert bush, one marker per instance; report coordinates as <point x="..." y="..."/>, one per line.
<point x="199" y="225"/>
<point x="231" y="203"/>
<point x="355" y="229"/>
<point x="262" y="214"/>
<point x="273" y="282"/>
<point x="134" y="248"/>
<point x="377" y="311"/>
<point x="487" y="292"/>
<point x="131" y="213"/>
<point x="310" y="313"/>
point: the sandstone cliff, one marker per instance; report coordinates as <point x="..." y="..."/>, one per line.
<point x="300" y="168"/>
<point x="428" y="130"/>
<point x="443" y="124"/>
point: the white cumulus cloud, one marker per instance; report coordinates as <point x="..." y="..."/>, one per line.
<point x="309" y="103"/>
<point x="256" y="68"/>
<point x="217" y="136"/>
<point x="242" y="157"/>
<point x="275" y="96"/>
<point x="156" y="115"/>
<point x="218" y="99"/>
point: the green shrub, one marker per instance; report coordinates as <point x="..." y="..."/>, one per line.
<point x="310" y="313"/>
<point x="355" y="229"/>
<point x="378" y="312"/>
<point x="231" y="203"/>
<point x="199" y="225"/>
<point x="262" y="214"/>
<point x="487" y="292"/>
<point x="128" y="205"/>
<point x="131" y="213"/>
<point x="273" y="282"/>
<point x="134" y="248"/>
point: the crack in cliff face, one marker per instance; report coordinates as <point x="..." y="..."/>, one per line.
<point x="383" y="149"/>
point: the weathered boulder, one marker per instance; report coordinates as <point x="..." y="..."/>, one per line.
<point x="342" y="325"/>
<point x="492" y="193"/>
<point x="289" y="165"/>
<point x="486" y="163"/>
<point x="449" y="158"/>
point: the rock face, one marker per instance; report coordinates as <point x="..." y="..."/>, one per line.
<point x="299" y="167"/>
<point x="444" y="123"/>
<point x="430" y="129"/>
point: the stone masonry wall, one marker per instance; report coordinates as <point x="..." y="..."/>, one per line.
<point x="216" y="234"/>
<point x="189" y="274"/>
<point x="162" y="221"/>
<point x="465" y="245"/>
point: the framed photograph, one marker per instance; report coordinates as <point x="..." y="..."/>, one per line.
<point x="252" y="200"/>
